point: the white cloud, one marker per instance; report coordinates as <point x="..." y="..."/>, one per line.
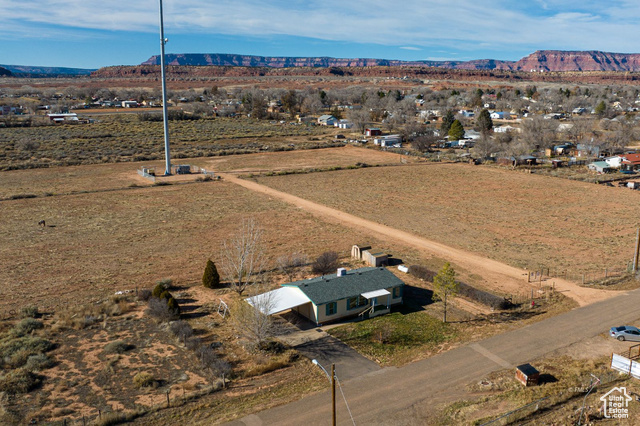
<point x="413" y="24"/>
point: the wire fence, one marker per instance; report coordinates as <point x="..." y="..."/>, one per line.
<point x="591" y="277"/>
<point x="528" y="413"/>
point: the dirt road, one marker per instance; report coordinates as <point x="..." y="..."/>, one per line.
<point x="497" y="275"/>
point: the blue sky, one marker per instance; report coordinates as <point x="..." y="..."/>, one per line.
<point x="92" y="34"/>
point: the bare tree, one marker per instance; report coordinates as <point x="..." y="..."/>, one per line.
<point x="213" y="366"/>
<point x="289" y="264"/>
<point x="252" y="319"/>
<point x="538" y="132"/>
<point x="360" y="118"/>
<point x="243" y="257"/>
<point x="326" y="263"/>
<point x="485" y="146"/>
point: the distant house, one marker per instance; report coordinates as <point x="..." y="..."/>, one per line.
<point x="129" y="104"/>
<point x="500" y="115"/>
<point x="599" y="167"/>
<point x="630" y="162"/>
<point x="614" y="162"/>
<point x="389" y="141"/>
<point x="506" y="129"/>
<point x="579" y="111"/>
<point x="372" y="131"/>
<point x="67" y="116"/>
<point x="343" y="124"/>
<point x="326" y="120"/>
<point x="467" y="113"/>
<point x="365" y="291"/>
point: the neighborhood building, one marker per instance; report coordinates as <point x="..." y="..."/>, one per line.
<point x="67" y="116"/>
<point x="389" y="141"/>
<point x="365" y="292"/>
<point x="372" y="131"/>
<point x="326" y="120"/>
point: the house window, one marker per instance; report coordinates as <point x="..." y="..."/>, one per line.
<point x="352" y="303"/>
<point x="397" y="292"/>
<point x="331" y="308"/>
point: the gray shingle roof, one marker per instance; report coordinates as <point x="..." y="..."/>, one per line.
<point x="330" y="288"/>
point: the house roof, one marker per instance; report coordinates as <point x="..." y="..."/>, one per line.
<point x="278" y="300"/>
<point x="330" y="288"/>
<point x="631" y="158"/>
<point x="326" y="117"/>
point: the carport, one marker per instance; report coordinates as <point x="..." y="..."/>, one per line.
<point x="282" y="299"/>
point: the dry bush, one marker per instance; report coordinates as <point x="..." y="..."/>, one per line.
<point x="79" y="317"/>
<point x="30" y="311"/>
<point x="182" y="330"/>
<point x="484" y="297"/>
<point x="326" y="263"/>
<point x="117" y="347"/>
<point x="39" y="362"/>
<point x="422" y="272"/>
<point x="19" y="381"/>
<point x="26" y="326"/>
<point x="269" y="366"/>
<point x="16" y="351"/>
<point x="144" y="380"/>
<point x="144" y="295"/>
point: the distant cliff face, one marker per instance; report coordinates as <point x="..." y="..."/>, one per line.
<point x="555" y="60"/>
<point x="542" y="60"/>
<point x="228" y="60"/>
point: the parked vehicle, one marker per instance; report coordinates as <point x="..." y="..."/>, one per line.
<point x="625" y="332"/>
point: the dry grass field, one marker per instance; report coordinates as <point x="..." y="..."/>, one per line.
<point x="123" y="137"/>
<point x="521" y="219"/>
<point x="107" y="235"/>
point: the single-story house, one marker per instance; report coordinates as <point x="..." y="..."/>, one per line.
<point x="600" y="167"/>
<point x="388" y="141"/>
<point x="129" y="104"/>
<point x="327" y="120"/>
<point x="365" y="291"/>
<point x="630" y="161"/>
<point x="500" y="115"/>
<point x="67" y="116"/>
<point x="614" y="162"/>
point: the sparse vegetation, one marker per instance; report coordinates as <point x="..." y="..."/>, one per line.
<point x="326" y="263"/>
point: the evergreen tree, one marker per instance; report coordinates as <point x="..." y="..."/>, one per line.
<point x="601" y="108"/>
<point x="485" y="123"/>
<point x="456" y="132"/>
<point x="211" y="278"/>
<point x="447" y="121"/>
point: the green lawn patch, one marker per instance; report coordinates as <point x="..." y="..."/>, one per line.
<point x="395" y="339"/>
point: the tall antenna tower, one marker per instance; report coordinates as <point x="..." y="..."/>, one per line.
<point x="163" y="41"/>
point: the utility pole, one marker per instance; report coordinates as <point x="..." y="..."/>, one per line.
<point x="637" y="252"/>
<point x="333" y="391"/>
<point x="163" y="41"/>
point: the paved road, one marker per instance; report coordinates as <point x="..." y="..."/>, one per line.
<point x="402" y="396"/>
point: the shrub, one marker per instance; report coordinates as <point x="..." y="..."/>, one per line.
<point x="144" y="380"/>
<point x="30" y="311"/>
<point x="144" y="295"/>
<point x="211" y="277"/>
<point x="160" y="310"/>
<point x="117" y="347"/>
<point x="326" y="263"/>
<point x="486" y="298"/>
<point x="39" y="362"/>
<point x="26" y="326"/>
<point x="19" y="381"/>
<point x="158" y="290"/>
<point x="422" y="272"/>
<point x="167" y="283"/>
<point x="16" y="351"/>
<point x="181" y="329"/>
